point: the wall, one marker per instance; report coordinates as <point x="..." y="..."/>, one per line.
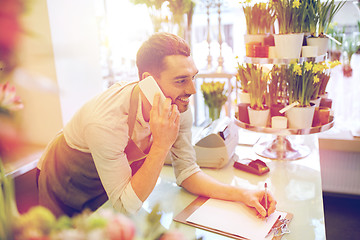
<point x="75" y="40"/>
<point x="35" y="77"/>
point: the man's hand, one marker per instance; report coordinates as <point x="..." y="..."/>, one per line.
<point x="164" y="122"/>
<point x="256" y="199"/>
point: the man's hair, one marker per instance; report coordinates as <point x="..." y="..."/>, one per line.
<point x="152" y="52"/>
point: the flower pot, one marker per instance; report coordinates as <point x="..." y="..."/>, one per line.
<point x="300" y="117"/>
<point x="347" y="70"/>
<point x="243" y="112"/>
<point x="288" y="45"/>
<point x="321" y="42"/>
<point x="309" y="51"/>
<point x="316" y="101"/>
<point x="244" y="97"/>
<point x="258" y="118"/>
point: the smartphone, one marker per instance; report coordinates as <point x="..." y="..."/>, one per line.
<point x="150" y="87"/>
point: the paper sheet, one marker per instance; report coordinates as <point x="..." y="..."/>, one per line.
<point x="235" y="218"/>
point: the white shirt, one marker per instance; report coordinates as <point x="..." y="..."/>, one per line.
<point x="100" y="128"/>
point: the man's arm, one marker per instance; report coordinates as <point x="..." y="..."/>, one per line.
<point x="164" y="127"/>
<point x="204" y="185"/>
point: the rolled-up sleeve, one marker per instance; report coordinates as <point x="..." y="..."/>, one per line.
<point x="182" y="152"/>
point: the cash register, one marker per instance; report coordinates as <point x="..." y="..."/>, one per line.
<point x="215" y="143"/>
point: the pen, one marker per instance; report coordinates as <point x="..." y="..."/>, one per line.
<point x="266" y="200"/>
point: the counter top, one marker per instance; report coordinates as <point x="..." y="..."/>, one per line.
<point x="296" y="186"/>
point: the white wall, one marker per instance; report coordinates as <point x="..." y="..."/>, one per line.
<point x="75" y="42"/>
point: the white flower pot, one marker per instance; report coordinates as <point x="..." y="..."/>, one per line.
<point x="300" y="117"/>
<point x="288" y="45"/>
<point x="244" y="97"/>
<point x="258" y="118"/>
<point x="309" y="51"/>
<point x="321" y="43"/>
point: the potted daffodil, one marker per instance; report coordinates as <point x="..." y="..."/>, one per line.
<point x="326" y="11"/>
<point x="290" y="15"/>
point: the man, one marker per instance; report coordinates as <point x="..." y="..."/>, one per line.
<point x="116" y="144"/>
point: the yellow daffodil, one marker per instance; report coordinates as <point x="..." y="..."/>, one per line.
<point x="308" y="66"/>
<point x="316" y="79"/>
<point x="296" y="4"/>
<point x="334" y="63"/>
<point x="318" y="68"/>
<point x="297" y="69"/>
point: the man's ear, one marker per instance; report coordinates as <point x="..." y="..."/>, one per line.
<point x="145" y="75"/>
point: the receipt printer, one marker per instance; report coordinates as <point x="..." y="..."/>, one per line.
<point x="215" y="144"/>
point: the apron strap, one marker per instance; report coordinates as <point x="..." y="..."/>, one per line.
<point x="134" y="101"/>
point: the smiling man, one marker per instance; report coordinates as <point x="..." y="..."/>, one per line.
<point x="116" y="144"/>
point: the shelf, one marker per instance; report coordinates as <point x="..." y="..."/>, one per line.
<point x="281" y="147"/>
<point x="255" y="60"/>
<point x="287" y="131"/>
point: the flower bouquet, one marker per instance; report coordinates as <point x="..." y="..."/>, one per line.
<point x="215" y="97"/>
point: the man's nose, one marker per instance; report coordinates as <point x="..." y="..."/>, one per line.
<point x="191" y="88"/>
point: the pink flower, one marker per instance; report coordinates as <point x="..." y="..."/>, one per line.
<point x="120" y="228"/>
<point x="8" y="99"/>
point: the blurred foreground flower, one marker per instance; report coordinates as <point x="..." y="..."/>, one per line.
<point x="9" y="102"/>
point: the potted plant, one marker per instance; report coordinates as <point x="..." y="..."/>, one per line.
<point x="275" y="94"/>
<point x="260" y="18"/>
<point x="335" y="47"/>
<point x="326" y="12"/>
<point x="259" y="111"/>
<point x="290" y="15"/>
<point x="215" y="97"/>
<point x="349" y="48"/>
<point x="300" y="80"/>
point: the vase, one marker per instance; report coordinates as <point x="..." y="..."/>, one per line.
<point x="321" y="42"/>
<point x="258" y="118"/>
<point x="288" y="45"/>
<point x="214" y="113"/>
<point x="300" y="117"/>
